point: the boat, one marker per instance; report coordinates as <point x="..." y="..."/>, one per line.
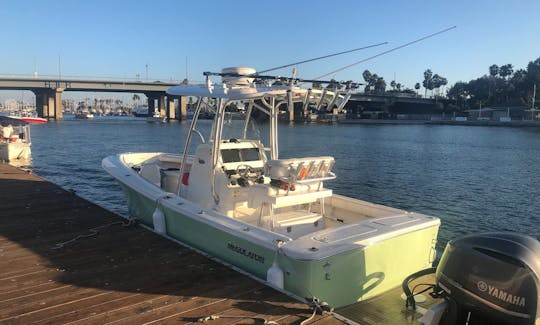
<point x="156" y="118"/>
<point x="28" y="116"/>
<point x="140" y="111"/>
<point x="230" y="195"/>
<point x="84" y="115"/>
<point x="15" y="139"/>
<point x="312" y="117"/>
<point x="34" y="119"/>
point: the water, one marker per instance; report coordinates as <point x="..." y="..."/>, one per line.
<point x="473" y="178"/>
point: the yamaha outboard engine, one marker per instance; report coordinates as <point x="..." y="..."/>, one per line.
<point x="491" y="278"/>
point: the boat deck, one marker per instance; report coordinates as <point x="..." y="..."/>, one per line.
<point x="126" y="274"/>
<point x="389" y="308"/>
<point x="122" y="274"/>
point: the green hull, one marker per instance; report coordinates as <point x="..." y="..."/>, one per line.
<point x="362" y="273"/>
<point x="225" y="246"/>
<point x="339" y="280"/>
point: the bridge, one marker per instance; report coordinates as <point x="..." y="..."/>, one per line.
<point x="48" y="92"/>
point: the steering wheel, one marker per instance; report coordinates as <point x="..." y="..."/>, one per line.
<point x="245" y="171"/>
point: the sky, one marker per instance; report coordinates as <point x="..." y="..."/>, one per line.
<point x="170" y="39"/>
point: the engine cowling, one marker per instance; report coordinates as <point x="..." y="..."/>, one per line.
<point x="494" y="277"/>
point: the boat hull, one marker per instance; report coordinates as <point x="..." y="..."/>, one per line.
<point x="361" y="273"/>
<point x="11" y="151"/>
<point x="190" y="228"/>
<point x="339" y="266"/>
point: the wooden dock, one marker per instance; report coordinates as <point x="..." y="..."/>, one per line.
<point x="121" y="274"/>
<point x="64" y="260"/>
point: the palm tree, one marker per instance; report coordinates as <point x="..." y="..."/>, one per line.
<point x="380" y="85"/>
<point x="506" y="70"/>
<point x="428" y="81"/>
<point x="494" y="70"/>
<point x="417" y="87"/>
<point x="136" y="99"/>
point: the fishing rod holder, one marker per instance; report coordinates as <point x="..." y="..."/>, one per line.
<point x="349" y="85"/>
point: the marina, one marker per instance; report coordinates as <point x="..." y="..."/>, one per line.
<point x="223" y="167"/>
<point x="75" y="165"/>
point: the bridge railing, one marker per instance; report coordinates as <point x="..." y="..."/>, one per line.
<point x="92" y="78"/>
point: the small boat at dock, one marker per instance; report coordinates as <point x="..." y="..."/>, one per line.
<point x="15" y="140"/>
<point x="232" y="196"/>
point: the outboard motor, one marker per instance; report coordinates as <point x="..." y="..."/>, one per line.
<point x="490" y="278"/>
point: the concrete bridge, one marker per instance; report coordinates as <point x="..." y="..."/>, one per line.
<point x="49" y="91"/>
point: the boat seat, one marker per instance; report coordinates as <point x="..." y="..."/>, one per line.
<point x="297" y="223"/>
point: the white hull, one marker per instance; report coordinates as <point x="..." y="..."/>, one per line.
<point x="11" y="151"/>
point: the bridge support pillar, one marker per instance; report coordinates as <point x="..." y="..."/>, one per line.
<point x="49" y="103"/>
<point x="171" y="108"/>
<point x="41" y="104"/>
<point x="151" y="104"/>
<point x="58" y="114"/>
<point x="182" y="103"/>
<point x="161" y="105"/>
<point x="291" y="113"/>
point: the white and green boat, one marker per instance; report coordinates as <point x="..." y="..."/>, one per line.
<point x="229" y="194"/>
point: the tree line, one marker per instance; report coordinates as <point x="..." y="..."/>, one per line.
<point x="501" y="86"/>
<point x="376" y="84"/>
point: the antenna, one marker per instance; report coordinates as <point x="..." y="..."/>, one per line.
<point x="59" y="67"/>
<point x="186" y="69"/>
<point x="322" y="57"/>
<point x="386" y="52"/>
<point x="35" y="68"/>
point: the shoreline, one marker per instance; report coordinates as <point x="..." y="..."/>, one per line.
<point x="417" y="122"/>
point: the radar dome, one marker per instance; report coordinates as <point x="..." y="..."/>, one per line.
<point x="238" y="81"/>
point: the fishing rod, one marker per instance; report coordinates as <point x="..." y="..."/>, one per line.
<point x="386" y="52"/>
<point x="286" y="80"/>
<point x="322" y="57"/>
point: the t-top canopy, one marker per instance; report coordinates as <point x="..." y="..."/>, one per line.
<point x="235" y="93"/>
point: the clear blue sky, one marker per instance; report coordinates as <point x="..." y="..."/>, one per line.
<point x="118" y="38"/>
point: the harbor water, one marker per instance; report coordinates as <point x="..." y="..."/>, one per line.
<point x="474" y="178"/>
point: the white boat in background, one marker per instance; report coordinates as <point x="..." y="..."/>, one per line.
<point x="234" y="198"/>
<point x="312" y="117"/>
<point x="15" y="141"/>
<point x="156" y="118"/>
<point x="84" y="115"/>
<point x="28" y="116"/>
<point x="34" y="119"/>
<point x="140" y="111"/>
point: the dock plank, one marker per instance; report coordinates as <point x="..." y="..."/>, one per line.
<point x="125" y="275"/>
